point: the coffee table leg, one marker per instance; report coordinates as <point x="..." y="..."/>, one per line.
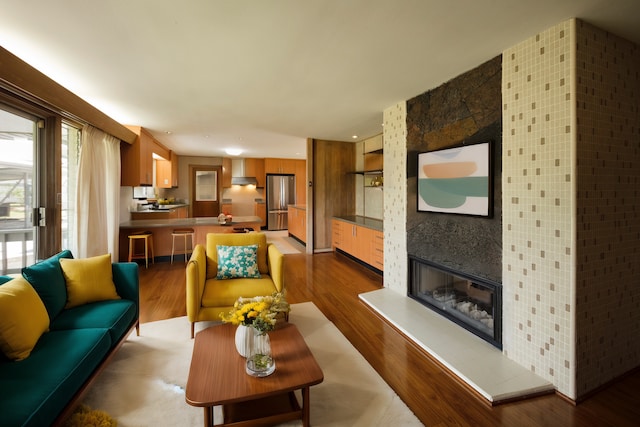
<point x="305" y="407"/>
<point x="208" y="416"/>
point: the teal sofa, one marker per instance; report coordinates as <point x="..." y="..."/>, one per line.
<point x="44" y="388"/>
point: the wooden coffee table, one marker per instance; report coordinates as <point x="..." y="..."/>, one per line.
<point x="217" y="377"/>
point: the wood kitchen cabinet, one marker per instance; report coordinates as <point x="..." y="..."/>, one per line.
<point x="260" y="210"/>
<point x="283" y="166"/>
<point x="175" y="162"/>
<point x="167" y="172"/>
<point x="297" y="222"/>
<point x="137" y="159"/>
<point x="364" y="243"/>
<point x="226" y="172"/>
<point x="255" y="167"/>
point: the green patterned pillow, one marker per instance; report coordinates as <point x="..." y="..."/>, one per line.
<point x="238" y="261"/>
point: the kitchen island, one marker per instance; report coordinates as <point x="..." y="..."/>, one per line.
<point x="162" y="228"/>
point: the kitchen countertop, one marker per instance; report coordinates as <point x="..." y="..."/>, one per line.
<point x="186" y="222"/>
<point x="375" y="224"/>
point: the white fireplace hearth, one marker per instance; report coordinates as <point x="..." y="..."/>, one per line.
<point x="476" y="362"/>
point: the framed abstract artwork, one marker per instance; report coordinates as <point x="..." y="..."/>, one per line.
<point x="456" y="180"/>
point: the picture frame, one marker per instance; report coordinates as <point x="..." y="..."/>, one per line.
<point x="457" y="180"/>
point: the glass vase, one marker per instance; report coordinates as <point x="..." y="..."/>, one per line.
<point x="259" y="361"/>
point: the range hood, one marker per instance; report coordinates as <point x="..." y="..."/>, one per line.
<point x="238" y="175"/>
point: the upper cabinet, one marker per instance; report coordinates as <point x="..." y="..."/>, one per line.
<point x="226" y="172"/>
<point x="255" y="168"/>
<point x="280" y="166"/>
<point x="137" y="158"/>
<point x="167" y="172"/>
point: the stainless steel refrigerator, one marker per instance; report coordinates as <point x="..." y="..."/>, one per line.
<point x="281" y="192"/>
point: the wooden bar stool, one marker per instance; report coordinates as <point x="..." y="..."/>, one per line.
<point x="184" y="233"/>
<point x="147" y="236"/>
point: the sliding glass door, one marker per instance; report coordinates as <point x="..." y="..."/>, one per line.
<point x="18" y="193"/>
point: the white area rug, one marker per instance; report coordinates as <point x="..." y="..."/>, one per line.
<point x="144" y="384"/>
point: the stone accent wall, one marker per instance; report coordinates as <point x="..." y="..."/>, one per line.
<point x="466" y="110"/>
<point x="395" y="197"/>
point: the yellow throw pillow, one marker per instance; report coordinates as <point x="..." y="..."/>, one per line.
<point x="88" y="280"/>
<point x="24" y="318"/>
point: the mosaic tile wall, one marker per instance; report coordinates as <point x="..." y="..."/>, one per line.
<point x="538" y="203"/>
<point x="608" y="197"/>
<point x="571" y="227"/>
<point x="395" y="197"/>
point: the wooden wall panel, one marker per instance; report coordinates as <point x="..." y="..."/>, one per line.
<point x="333" y="187"/>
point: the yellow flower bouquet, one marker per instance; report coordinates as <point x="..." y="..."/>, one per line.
<point x="258" y="312"/>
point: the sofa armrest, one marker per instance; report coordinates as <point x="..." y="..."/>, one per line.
<point x="196" y="277"/>
<point x="126" y="279"/>
<point x="276" y="267"/>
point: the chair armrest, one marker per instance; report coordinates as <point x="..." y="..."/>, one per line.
<point x="276" y="266"/>
<point x="196" y="277"/>
<point x="127" y="280"/>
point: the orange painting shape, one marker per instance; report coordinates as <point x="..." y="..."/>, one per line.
<point x="450" y="170"/>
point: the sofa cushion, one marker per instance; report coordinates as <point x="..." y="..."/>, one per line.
<point x="237" y="262"/>
<point x="224" y="293"/>
<point x="23" y="318"/>
<point x="88" y="280"/>
<point x="114" y="315"/>
<point x="47" y="279"/>
<point x="34" y="391"/>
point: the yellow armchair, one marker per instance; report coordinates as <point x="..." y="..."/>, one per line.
<point x="208" y="296"/>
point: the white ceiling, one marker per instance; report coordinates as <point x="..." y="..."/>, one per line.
<point x="264" y="75"/>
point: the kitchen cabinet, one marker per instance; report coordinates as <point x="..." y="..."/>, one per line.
<point x="301" y="182"/>
<point x="137" y="159"/>
<point x="255" y="168"/>
<point x="297" y="222"/>
<point x="361" y="242"/>
<point x="226" y="172"/>
<point x="282" y="166"/>
<point x="175" y="162"/>
<point x="167" y="172"/>
<point x="260" y="210"/>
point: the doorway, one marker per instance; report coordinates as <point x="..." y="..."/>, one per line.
<point x="205" y="190"/>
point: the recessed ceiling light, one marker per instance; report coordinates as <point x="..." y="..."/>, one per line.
<point x="233" y="151"/>
<point x="355" y="137"/>
<point x="168" y="132"/>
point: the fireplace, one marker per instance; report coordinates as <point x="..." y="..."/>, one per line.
<point x="473" y="303"/>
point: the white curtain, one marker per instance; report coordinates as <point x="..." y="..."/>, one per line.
<point x="98" y="194"/>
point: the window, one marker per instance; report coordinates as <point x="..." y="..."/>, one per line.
<point x="71" y="143"/>
<point x="18" y="195"/>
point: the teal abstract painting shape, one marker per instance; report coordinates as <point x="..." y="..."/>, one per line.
<point x="451" y="193"/>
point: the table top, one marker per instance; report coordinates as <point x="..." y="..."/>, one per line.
<point x="217" y="374"/>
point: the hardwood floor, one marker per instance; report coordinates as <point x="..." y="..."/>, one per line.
<point x="333" y="283"/>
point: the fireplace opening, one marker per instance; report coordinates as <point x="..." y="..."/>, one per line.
<point x="471" y="302"/>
